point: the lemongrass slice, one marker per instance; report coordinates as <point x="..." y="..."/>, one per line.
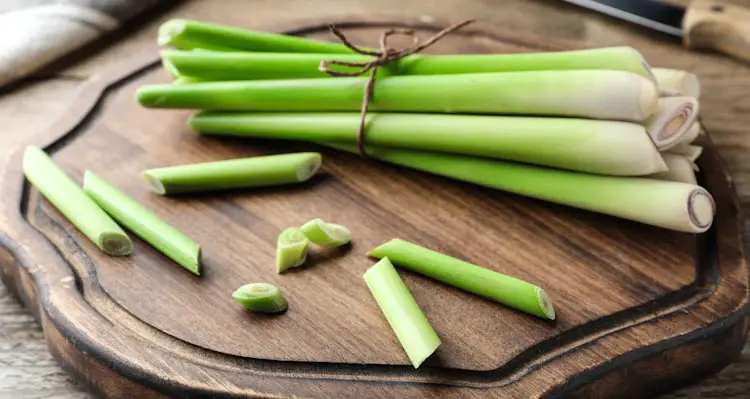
<point x="74" y="204"/>
<point x="674" y="82"/>
<point x="691" y="152"/>
<point x="135" y="217"/>
<point x="596" y="94"/>
<point x="691" y="135"/>
<point x="189" y="34"/>
<point x="410" y="325"/>
<point x="680" y="169"/>
<point x="261" y="298"/>
<point x="326" y="234"/>
<point x="291" y="249"/>
<point x="271" y="170"/>
<point x="675" y="206"/>
<point x="487" y="283"/>
<point x="222" y="65"/>
<point x="672" y="121"/>
<point x="567" y="143"/>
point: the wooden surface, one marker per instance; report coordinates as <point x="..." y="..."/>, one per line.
<point x="726" y="77"/>
<point x="720" y="27"/>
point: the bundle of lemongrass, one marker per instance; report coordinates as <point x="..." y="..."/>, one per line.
<point x="595" y="129"/>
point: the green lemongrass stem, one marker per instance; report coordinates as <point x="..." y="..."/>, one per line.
<point x="328" y="235"/>
<point x="568" y="143"/>
<point x="145" y="224"/>
<point x="672" y="121"/>
<point x="181" y="80"/>
<point x="691" y="152"/>
<point x="261" y="298"/>
<point x="676" y="206"/>
<point x="291" y="249"/>
<point x="219" y="65"/>
<point x="74" y="204"/>
<point x="188" y="34"/>
<point x="590" y="94"/>
<point x="412" y="328"/>
<point x="271" y="170"/>
<point x="674" y="82"/>
<point x="486" y="283"/>
<point x="680" y="169"/>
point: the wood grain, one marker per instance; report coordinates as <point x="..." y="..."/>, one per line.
<point x="718" y="26"/>
<point x="642" y="274"/>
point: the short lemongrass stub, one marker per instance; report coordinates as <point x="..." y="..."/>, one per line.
<point x="691" y="152"/>
<point x="291" y="249"/>
<point x="74" y="204"/>
<point x="271" y="170"/>
<point x="261" y="298"/>
<point x="673" y="121"/>
<point x="675" y="82"/>
<point x="481" y="281"/>
<point x="328" y="235"/>
<point x="680" y="169"/>
<point x="410" y="325"/>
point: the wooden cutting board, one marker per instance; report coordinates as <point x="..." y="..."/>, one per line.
<point x="641" y="310"/>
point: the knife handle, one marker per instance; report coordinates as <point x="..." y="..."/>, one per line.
<point x="717" y="26"/>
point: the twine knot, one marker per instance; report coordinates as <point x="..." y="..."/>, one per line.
<point x="385" y="56"/>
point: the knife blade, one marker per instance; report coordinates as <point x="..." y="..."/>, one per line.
<point x="705" y="24"/>
<point x="652" y="14"/>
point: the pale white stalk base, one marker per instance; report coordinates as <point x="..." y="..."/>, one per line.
<point x="674" y="82"/>
<point x="680" y="169"/>
<point x="672" y="121"/>
<point x="691" y="152"/>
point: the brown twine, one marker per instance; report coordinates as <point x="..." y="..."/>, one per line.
<point x="385" y="56"/>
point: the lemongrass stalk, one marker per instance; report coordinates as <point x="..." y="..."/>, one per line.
<point x="74" y="204"/>
<point x="591" y="94"/>
<point x="328" y="235"/>
<point x="674" y="82"/>
<point x="219" y="65"/>
<point x="271" y="170"/>
<point x="261" y="298"/>
<point x="146" y="225"/>
<point x="188" y="34"/>
<point x="410" y="325"/>
<point x="676" y="206"/>
<point x="486" y="283"/>
<point x="568" y="143"/>
<point x="691" y="135"/>
<point x="291" y="249"/>
<point x="680" y="169"/>
<point x="181" y="80"/>
<point x="691" y="152"/>
<point x="672" y="121"/>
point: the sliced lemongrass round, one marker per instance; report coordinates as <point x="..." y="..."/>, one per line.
<point x="410" y="325"/>
<point x="680" y="169"/>
<point x="291" y="249"/>
<point x="261" y="298"/>
<point x="691" y="135"/>
<point x="271" y="170"/>
<point x="691" y="152"/>
<point x="74" y="204"/>
<point x="675" y="82"/>
<point x="486" y="283"/>
<point x="672" y="121"/>
<point x="326" y="234"/>
<point x="144" y="223"/>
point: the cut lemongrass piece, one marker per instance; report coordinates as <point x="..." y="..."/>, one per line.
<point x="187" y="34"/>
<point x="691" y="135"/>
<point x="261" y="298"/>
<point x="291" y="249"/>
<point x="680" y="169"/>
<point x="223" y="65"/>
<point x="675" y="206"/>
<point x="412" y="328"/>
<point x="566" y="143"/>
<point x="691" y="152"/>
<point x="145" y="224"/>
<point x="486" y="283"/>
<point x="74" y="204"/>
<point x="271" y="170"/>
<point x="595" y="94"/>
<point x="674" y="82"/>
<point x="672" y="121"/>
<point x="326" y="234"/>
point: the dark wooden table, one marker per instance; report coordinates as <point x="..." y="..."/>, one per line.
<point x="27" y="370"/>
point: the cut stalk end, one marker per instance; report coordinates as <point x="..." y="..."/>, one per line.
<point x="701" y="209"/>
<point x="649" y="99"/>
<point x="291" y="249"/>
<point x="168" y="31"/>
<point x="545" y="303"/>
<point x="309" y="168"/>
<point x="154" y="183"/>
<point x="673" y="121"/>
<point x="261" y="298"/>
<point x="326" y="234"/>
<point x="115" y="244"/>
